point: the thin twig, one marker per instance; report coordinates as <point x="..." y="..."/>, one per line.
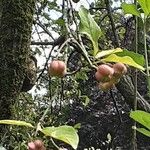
<point x="135" y="80"/>
<point x="116" y="38"/>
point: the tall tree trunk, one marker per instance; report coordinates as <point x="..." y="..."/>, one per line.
<point x="15" y="31"/>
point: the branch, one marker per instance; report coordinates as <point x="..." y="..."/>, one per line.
<point x="112" y="23"/>
<point x="41" y="43"/>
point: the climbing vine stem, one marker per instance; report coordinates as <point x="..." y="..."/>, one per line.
<point x="146" y="56"/>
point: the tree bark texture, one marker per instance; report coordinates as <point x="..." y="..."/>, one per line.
<point x="15" y="31"/>
<point x="126" y="88"/>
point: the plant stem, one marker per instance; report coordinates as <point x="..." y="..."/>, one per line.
<point x="135" y="79"/>
<point x="54" y="144"/>
<point x="146" y="56"/>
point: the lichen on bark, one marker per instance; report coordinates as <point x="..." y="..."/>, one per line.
<point x="15" y="31"/>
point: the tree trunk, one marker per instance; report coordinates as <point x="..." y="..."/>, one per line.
<point x="15" y="31"/>
<point x="126" y="88"/>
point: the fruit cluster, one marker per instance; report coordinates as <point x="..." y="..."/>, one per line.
<point x="57" y="68"/>
<point x="108" y="75"/>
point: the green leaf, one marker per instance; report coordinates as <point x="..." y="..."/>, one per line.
<point x="82" y="75"/>
<point x="60" y="22"/>
<point x="144" y="131"/>
<point x="64" y="133"/>
<point x="107" y="52"/>
<point x="125" y="59"/>
<point x="141" y="117"/>
<point x="89" y="27"/>
<point x="145" y="5"/>
<point x="130" y="9"/>
<point x="16" y="122"/>
<point x="77" y="126"/>
<point x="85" y="100"/>
<point x="138" y="58"/>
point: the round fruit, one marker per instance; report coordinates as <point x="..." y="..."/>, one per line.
<point x="57" y="68"/>
<point x="98" y="76"/>
<point x="106" y="86"/>
<point x="38" y="144"/>
<point x="119" y="69"/>
<point x="104" y="73"/>
<point x="105" y="70"/>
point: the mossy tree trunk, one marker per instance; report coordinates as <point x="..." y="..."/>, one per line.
<point x="15" y="31"/>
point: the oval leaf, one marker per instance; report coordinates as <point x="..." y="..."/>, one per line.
<point x="138" y="58"/>
<point x="16" y="122"/>
<point x="107" y="52"/>
<point x="130" y="9"/>
<point x="89" y="27"/>
<point x="64" y="133"/>
<point x="143" y="131"/>
<point x="125" y="59"/>
<point x="145" y="5"/>
<point x="142" y="117"/>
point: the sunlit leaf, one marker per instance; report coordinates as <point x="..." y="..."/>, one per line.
<point x="64" y="133"/>
<point x="16" y="122"/>
<point x="123" y="59"/>
<point x="89" y="27"/>
<point x="130" y="9"/>
<point x="77" y="126"/>
<point x="85" y="100"/>
<point x="107" y="52"/>
<point x="142" y="117"/>
<point x="144" y="131"/>
<point x="145" y="5"/>
<point x="138" y="58"/>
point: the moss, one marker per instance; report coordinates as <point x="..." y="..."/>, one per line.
<point x="15" y="33"/>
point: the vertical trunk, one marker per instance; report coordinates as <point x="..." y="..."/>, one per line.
<point x="15" y="30"/>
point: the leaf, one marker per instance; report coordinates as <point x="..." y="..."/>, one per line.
<point x="144" y="131"/>
<point x="145" y="5"/>
<point x="138" y="58"/>
<point x="81" y="75"/>
<point x="77" y="126"/>
<point x="64" y="133"/>
<point x="107" y="52"/>
<point x="141" y="117"/>
<point x="85" y="100"/>
<point x="123" y="59"/>
<point x="60" y="22"/>
<point x="16" y="122"/>
<point x="89" y="27"/>
<point x="130" y="9"/>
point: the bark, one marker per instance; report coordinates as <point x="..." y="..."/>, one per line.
<point x="126" y="88"/>
<point x="15" y="31"/>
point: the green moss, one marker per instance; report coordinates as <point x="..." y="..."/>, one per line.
<point x="15" y="34"/>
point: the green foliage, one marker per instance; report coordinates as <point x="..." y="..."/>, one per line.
<point x="142" y="118"/>
<point x="143" y="131"/>
<point x="89" y="27"/>
<point x="16" y="122"/>
<point x="126" y="57"/>
<point x="130" y="9"/>
<point x="145" y="5"/>
<point x="66" y="89"/>
<point x="107" y="52"/>
<point x="64" y="133"/>
<point x="138" y="58"/>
